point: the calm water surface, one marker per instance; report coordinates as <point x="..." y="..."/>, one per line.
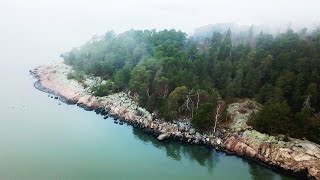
<point x="43" y="140"/>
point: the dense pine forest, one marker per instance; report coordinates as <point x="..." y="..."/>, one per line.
<point x="175" y="76"/>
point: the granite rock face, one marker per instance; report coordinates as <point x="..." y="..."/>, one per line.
<point x="297" y="156"/>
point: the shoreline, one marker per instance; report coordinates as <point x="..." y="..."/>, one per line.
<point x="295" y="157"/>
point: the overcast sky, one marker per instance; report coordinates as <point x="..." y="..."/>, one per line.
<point x="68" y="23"/>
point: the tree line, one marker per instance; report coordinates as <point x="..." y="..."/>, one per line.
<point x="174" y="75"/>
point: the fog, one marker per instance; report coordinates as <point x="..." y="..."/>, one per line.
<point x="37" y="31"/>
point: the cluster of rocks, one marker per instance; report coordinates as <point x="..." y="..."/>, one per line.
<point x="52" y="80"/>
<point x="300" y="157"/>
<point x="297" y="156"/>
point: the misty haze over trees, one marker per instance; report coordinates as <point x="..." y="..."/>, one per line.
<point x="180" y="76"/>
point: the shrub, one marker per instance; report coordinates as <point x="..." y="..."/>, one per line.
<point x="103" y="89"/>
<point x="274" y="118"/>
<point x="203" y="117"/>
<point x="78" y="76"/>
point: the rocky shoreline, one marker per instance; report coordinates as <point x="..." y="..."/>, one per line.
<point x="298" y="157"/>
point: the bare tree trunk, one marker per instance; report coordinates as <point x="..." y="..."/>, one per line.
<point x="188" y="105"/>
<point x="192" y="112"/>
<point x="217" y="114"/>
<point x="164" y="91"/>
<point x="148" y="91"/>
<point x="198" y="99"/>
<point x="306" y="103"/>
<point x="135" y="97"/>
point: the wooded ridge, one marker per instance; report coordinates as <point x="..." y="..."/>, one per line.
<point x="174" y="75"/>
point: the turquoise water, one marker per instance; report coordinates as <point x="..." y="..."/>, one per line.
<point x="41" y="139"/>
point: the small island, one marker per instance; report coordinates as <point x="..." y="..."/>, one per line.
<point x="252" y="94"/>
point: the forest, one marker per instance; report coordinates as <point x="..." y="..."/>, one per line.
<point x="175" y="75"/>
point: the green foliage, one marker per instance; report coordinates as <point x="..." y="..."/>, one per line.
<point x="273" y="118"/>
<point x="121" y="79"/>
<point x="302" y="119"/>
<point x="103" y="89"/>
<point x="77" y="75"/>
<point x="307" y="125"/>
<point x="281" y="71"/>
<point x="204" y="116"/>
<point x="140" y="80"/>
<point x="175" y="100"/>
<point x="314" y="129"/>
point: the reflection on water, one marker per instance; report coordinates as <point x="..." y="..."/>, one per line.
<point x="259" y="173"/>
<point x="204" y="156"/>
<point x="176" y="150"/>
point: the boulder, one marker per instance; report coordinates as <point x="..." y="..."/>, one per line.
<point x="218" y="141"/>
<point x="163" y="136"/>
<point x="182" y="127"/>
<point x="198" y="135"/>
